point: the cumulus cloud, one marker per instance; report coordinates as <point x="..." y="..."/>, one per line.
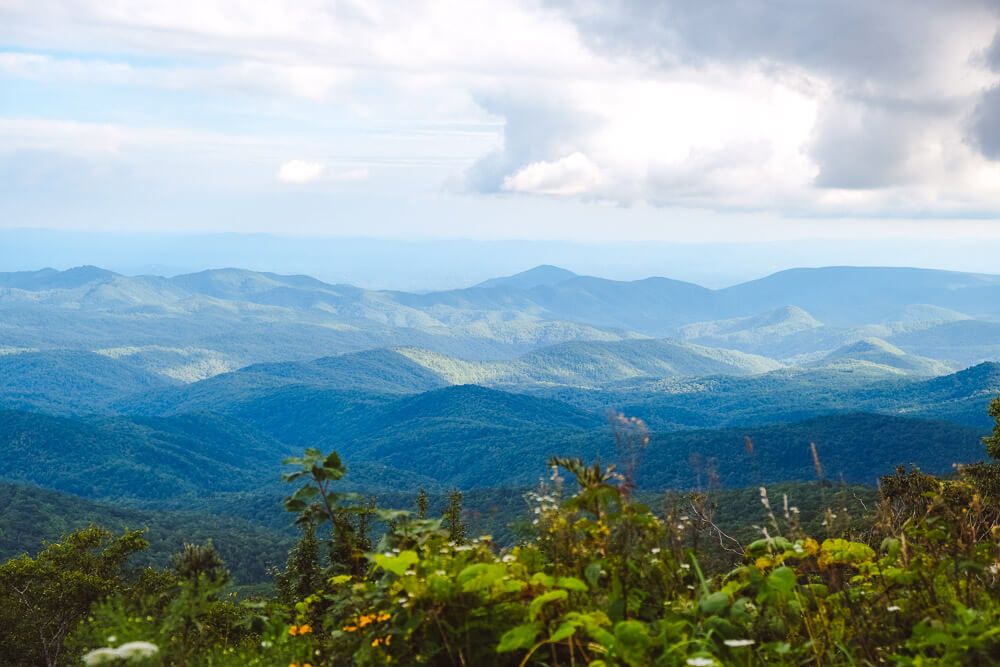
<point x="574" y="174"/>
<point x="828" y="107"/>
<point x="298" y="172"/>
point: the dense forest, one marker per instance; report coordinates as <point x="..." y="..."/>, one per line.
<point x="596" y="572"/>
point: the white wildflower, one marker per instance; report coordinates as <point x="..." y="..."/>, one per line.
<point x="112" y="639"/>
<point x="736" y="643"/>
<point x="136" y="650"/>
<point x="507" y="558"/>
<point x="894" y="608"/>
<point x="100" y="656"/>
<point x="655" y="550"/>
<point x="701" y="662"/>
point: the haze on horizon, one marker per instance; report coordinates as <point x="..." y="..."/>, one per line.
<point x="814" y="133"/>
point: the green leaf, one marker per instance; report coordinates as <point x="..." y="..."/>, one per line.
<point x="571" y="584"/>
<point x="520" y="637"/>
<point x="782" y="579"/>
<point x="397" y="564"/>
<point x="565" y="630"/>
<point x="713" y="603"/>
<point x="552" y="596"/>
<point x="593" y="573"/>
<point x="294" y="505"/>
<point x="479" y="576"/>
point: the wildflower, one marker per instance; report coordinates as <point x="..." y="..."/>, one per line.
<point x="701" y="662"/>
<point x="100" y="656"/>
<point x="894" y="608"/>
<point x="736" y="643"/>
<point x="112" y="639"/>
<point x="136" y="650"/>
<point x="305" y="629"/>
<point x="507" y="558"/>
<point x="350" y="628"/>
<point x="294" y="630"/>
<point x="655" y="550"/>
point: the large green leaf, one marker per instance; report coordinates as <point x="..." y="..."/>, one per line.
<point x="536" y="605"/>
<point x="520" y="637"/>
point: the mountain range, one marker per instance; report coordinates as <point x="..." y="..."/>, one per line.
<point x="193" y="326"/>
<point x="160" y="394"/>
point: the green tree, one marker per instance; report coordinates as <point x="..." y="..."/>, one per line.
<point x="422" y="503"/>
<point x="43" y="598"/>
<point x="317" y="501"/>
<point x="992" y="441"/>
<point x="453" y="517"/>
<point x="303" y="572"/>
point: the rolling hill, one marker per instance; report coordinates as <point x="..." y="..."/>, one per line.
<point x="70" y="381"/>
<point x="877" y="355"/>
<point x="235" y="317"/>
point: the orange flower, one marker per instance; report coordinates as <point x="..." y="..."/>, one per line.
<point x="350" y="628"/>
<point x="304" y="630"/>
<point x="293" y="631"/>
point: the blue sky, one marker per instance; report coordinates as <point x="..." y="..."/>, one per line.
<point x="675" y="121"/>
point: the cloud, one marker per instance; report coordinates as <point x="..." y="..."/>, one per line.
<point x="574" y="174"/>
<point x="826" y="108"/>
<point x="985" y="126"/>
<point x="298" y="172"/>
<point x="832" y="107"/>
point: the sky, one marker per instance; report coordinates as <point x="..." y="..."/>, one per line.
<point x="681" y="121"/>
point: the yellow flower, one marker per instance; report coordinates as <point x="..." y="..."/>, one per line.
<point x="304" y="630"/>
<point x="293" y="631"/>
<point x="350" y="628"/>
<point x="763" y="562"/>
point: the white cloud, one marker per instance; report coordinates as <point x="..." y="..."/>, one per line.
<point x="723" y="109"/>
<point x="574" y="174"/>
<point x="298" y="172"/>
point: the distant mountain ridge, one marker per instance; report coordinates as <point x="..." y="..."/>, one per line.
<point x="235" y="317"/>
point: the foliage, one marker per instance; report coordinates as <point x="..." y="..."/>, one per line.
<point x="992" y="441"/>
<point x="599" y="577"/>
<point x="43" y="598"/>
